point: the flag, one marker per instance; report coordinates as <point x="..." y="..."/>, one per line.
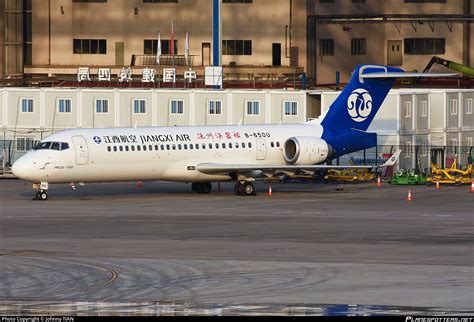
<point x="172" y="39"/>
<point x="158" y="49"/>
<point x="186" y="49"/>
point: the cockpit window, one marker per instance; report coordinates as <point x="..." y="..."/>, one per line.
<point x="52" y="146"/>
<point x="43" y="146"/>
<point x="55" y="146"/>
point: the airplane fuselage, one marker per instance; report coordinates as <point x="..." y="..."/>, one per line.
<point x="159" y="153"/>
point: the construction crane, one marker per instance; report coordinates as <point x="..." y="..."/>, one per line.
<point x="466" y="70"/>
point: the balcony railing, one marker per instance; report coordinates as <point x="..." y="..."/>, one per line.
<point x="165" y="60"/>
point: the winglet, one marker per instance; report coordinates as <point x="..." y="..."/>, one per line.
<point x="394" y="158"/>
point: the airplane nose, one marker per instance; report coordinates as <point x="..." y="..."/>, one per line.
<point x="21" y="168"/>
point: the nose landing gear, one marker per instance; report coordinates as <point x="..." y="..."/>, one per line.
<point x="42" y="194"/>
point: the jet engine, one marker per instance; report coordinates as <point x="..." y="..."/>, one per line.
<point x="305" y="150"/>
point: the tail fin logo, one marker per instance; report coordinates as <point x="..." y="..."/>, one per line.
<point x="359" y="105"/>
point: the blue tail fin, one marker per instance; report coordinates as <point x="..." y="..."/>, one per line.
<point x="355" y="108"/>
<point x="359" y="102"/>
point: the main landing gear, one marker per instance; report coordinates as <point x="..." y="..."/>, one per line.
<point x="201" y="187"/>
<point x="244" y="188"/>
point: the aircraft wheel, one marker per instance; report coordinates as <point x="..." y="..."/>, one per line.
<point x="205" y="188"/>
<point x="42" y="195"/>
<point x="247" y="189"/>
<point x="194" y="188"/>
<point x="237" y="188"/>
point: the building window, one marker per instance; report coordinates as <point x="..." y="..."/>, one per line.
<point x="150" y="46"/>
<point x="64" y="105"/>
<point x="90" y="46"/>
<point x="407" y="109"/>
<point x="424" y="109"/>
<point x="326" y="47"/>
<point x="358" y="46"/>
<point x="177" y="106"/>
<point x="237" y="47"/>
<point x="453" y="107"/>
<point x="469" y="141"/>
<point x="102" y="106"/>
<point x="424" y="46"/>
<point x="291" y="108"/>
<point x="139" y="106"/>
<point x="469" y="106"/>
<point x="407" y="149"/>
<point x="24" y="144"/>
<point x="27" y="105"/>
<point x="160" y="1"/>
<point x="253" y="108"/>
<point x="214" y="107"/>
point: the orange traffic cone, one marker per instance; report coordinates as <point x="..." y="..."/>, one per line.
<point x="379" y="182"/>
<point x="270" y="191"/>
<point x="410" y="198"/>
<point x="139" y="184"/>
<point x="437" y="185"/>
<point x="472" y="186"/>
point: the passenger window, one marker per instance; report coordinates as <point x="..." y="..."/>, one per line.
<point x="223" y="145"/>
<point x="278" y="144"/>
<point x="150" y="147"/>
<point x="272" y="145"/>
<point x="109" y="149"/>
<point x="168" y="147"/>
<point x="162" y="147"/>
<point x="64" y="146"/>
<point x="133" y="148"/>
<point x="217" y="145"/>
<point x="230" y="145"/>
<point x="144" y="148"/>
<point x="210" y="145"/>
<point x="179" y="146"/>
<point x="197" y="146"/>
<point x="126" y="148"/>
<point x="156" y="147"/>
<point x="243" y="145"/>
<point x="174" y="147"/>
<point x="115" y="149"/>
<point x="185" y="146"/>
<point x="204" y="146"/>
<point x="138" y="148"/>
<point x="236" y="145"/>
<point x="55" y="146"/>
<point x="121" y="148"/>
<point x="250" y="145"/>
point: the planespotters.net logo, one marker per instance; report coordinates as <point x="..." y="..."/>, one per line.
<point x="438" y="319"/>
<point x="97" y="139"/>
<point x="359" y="105"/>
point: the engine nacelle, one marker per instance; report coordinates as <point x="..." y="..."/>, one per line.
<point x="305" y="150"/>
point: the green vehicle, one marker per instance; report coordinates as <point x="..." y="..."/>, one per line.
<point x="408" y="177"/>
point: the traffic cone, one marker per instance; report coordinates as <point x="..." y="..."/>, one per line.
<point x="410" y="198"/>
<point x="139" y="184"/>
<point x="472" y="186"/>
<point x="270" y="191"/>
<point x="379" y="182"/>
<point x="437" y="185"/>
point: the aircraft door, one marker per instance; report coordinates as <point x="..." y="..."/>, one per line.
<point x="82" y="153"/>
<point x="261" y="149"/>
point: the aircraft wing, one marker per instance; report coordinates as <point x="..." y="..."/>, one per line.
<point x="223" y="168"/>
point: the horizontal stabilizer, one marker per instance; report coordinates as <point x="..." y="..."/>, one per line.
<point x="406" y="75"/>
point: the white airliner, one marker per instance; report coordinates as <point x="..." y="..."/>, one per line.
<point x="205" y="154"/>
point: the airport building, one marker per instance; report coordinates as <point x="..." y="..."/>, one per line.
<point x="261" y="39"/>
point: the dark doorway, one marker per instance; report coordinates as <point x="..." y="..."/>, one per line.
<point x="276" y="53"/>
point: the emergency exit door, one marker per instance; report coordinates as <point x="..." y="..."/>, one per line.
<point x="394" y="53"/>
<point x="82" y="153"/>
<point x="261" y="149"/>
